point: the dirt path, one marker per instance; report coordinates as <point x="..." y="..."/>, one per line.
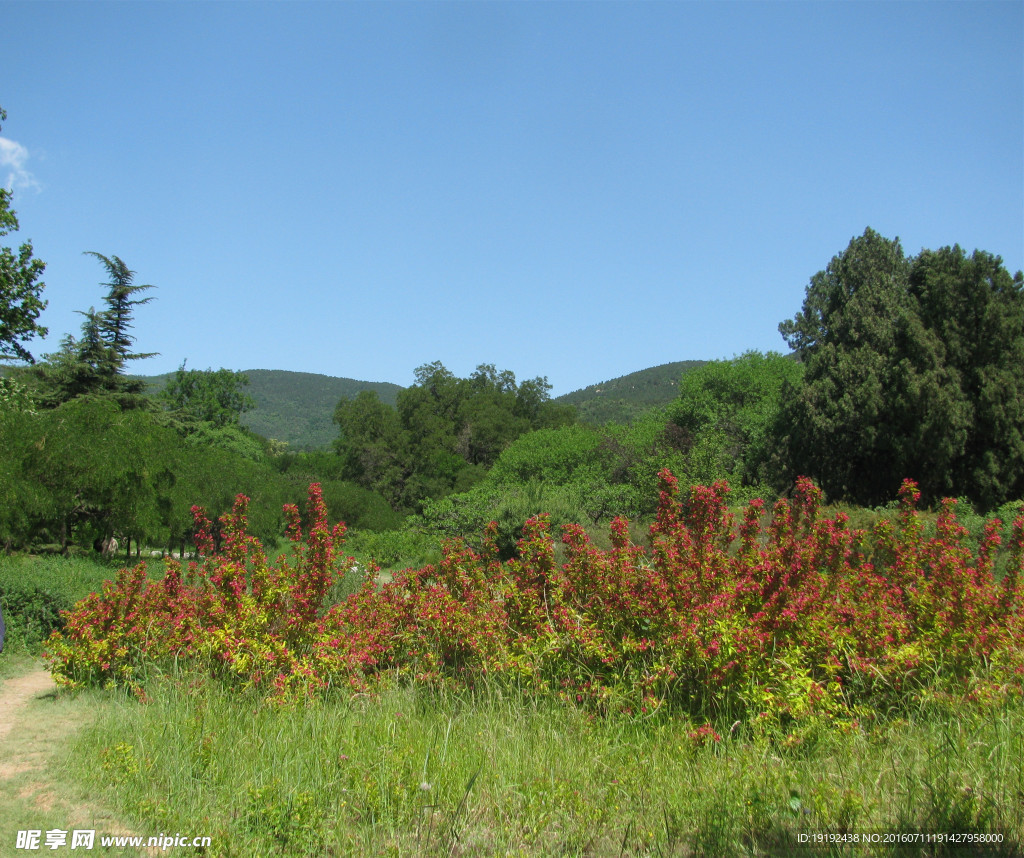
<point x="35" y="725"/>
<point x="15" y="694"/>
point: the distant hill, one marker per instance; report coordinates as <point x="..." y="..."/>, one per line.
<point x="622" y="399"/>
<point x="297" y="407"/>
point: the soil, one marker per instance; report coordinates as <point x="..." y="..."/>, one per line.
<point x="15" y="697"/>
<point x="34" y="729"/>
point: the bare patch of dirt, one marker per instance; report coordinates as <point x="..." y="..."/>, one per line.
<point x="35" y="725"/>
<point x="17" y="692"/>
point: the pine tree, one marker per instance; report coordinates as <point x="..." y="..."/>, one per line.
<point x="116" y="320"/>
<point x="913" y="369"/>
<point x="95" y="364"/>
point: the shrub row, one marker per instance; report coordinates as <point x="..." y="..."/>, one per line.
<point x="779" y="615"/>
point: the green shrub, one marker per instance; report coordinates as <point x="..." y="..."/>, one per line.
<point x="555" y="456"/>
<point x="391" y="549"/>
<point x="34" y="590"/>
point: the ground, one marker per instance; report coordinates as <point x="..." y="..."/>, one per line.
<point x="36" y="724"/>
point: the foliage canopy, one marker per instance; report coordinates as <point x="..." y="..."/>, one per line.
<point x="444" y="433"/>
<point x="913" y="368"/>
<point x="214" y="396"/>
<point x="20" y="288"/>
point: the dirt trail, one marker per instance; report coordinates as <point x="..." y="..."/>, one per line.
<point x="35" y="725"/>
<point x="15" y="695"/>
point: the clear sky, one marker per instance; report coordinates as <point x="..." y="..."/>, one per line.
<point x="575" y="190"/>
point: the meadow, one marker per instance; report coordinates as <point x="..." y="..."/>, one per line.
<point x="413" y="772"/>
<point x="748" y="682"/>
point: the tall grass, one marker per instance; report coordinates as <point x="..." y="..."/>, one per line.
<point x="34" y="590"/>
<point x="410" y="772"/>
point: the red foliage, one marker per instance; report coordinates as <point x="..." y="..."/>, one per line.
<point x="790" y="613"/>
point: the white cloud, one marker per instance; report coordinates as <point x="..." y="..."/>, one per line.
<point x="12" y="159"/>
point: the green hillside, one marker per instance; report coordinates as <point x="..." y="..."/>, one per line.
<point x="622" y="399"/>
<point x="297" y="407"/>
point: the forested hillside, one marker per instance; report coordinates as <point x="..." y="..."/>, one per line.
<point x="622" y="399"/>
<point x="296" y="407"/>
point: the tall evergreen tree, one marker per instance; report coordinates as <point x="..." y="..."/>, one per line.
<point x="974" y="311"/>
<point x="96" y="363"/>
<point x="912" y="370"/>
<point x="116" y="320"/>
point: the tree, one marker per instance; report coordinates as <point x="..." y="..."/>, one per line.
<point x="22" y="499"/>
<point x="95" y="463"/>
<point x="20" y="288"/>
<point x="912" y="370"/>
<point x="840" y="424"/>
<point x="974" y="313"/>
<point x="96" y="363"/>
<point x="116" y="320"/>
<point x="213" y="396"/>
<point x="725" y="413"/>
<point x="373" y="446"/>
<point x="552" y="457"/>
<point x="79" y="368"/>
<point x="443" y="435"/>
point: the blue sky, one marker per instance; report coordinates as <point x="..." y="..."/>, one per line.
<point x="572" y="190"/>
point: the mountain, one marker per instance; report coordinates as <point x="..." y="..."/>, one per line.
<point x="622" y="399"/>
<point x="297" y="407"/>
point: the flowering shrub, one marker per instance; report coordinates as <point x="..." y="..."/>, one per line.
<point x="789" y="615"/>
<point x="251" y="623"/>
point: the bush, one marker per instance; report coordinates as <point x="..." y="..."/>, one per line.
<point x="778" y="617"/>
<point x="466" y="516"/>
<point x="553" y="456"/>
<point x="394" y="548"/>
<point x="358" y="507"/>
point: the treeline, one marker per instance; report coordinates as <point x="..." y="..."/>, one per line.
<point x="88" y="455"/>
<point x="444" y="433"/>
<point x="901" y="367"/>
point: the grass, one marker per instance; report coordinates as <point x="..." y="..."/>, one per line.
<point x="418" y="773"/>
<point x="35" y="790"/>
<point x="35" y="589"/>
